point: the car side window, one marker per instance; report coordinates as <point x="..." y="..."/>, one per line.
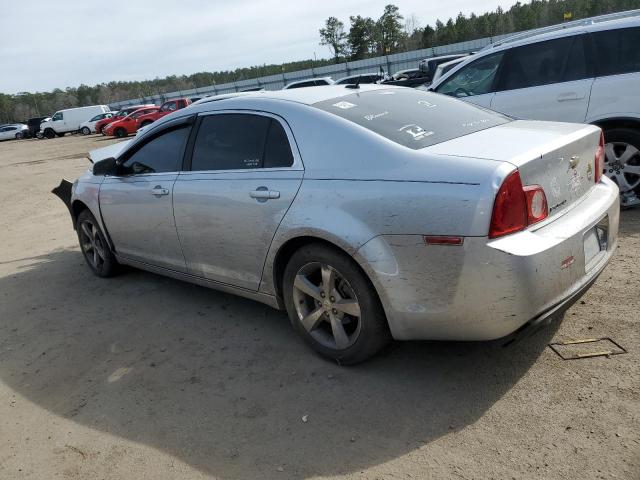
<point x="312" y="83"/>
<point x="540" y="63"/>
<point x="169" y="107"/>
<point x="477" y="78"/>
<point x="577" y="66"/>
<point x="277" y="151"/>
<point x="230" y="142"/>
<point x="618" y="51"/>
<point x="161" y="154"/>
<point x="57" y="116"/>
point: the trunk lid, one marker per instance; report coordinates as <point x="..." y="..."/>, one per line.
<point x="560" y="157"/>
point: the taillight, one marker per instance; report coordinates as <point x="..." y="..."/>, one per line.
<point x="516" y="207"/>
<point x="599" y="163"/>
<point x="536" y="204"/>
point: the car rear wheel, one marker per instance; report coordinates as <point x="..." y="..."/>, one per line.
<point x="94" y="246"/>
<point x="333" y="306"/>
<point x="622" y="162"/>
<point x="85" y="130"/>
<point x="120" y="132"/>
<point x="145" y="123"/>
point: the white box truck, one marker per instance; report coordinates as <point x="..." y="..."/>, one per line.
<point x="69" y="120"/>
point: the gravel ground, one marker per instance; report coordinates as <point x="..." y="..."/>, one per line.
<point x="141" y="376"/>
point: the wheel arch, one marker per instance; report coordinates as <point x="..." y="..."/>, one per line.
<point x="286" y="250"/>
<point x="617" y="122"/>
<point x="77" y="206"/>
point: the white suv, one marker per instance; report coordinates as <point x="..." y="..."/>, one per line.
<point x="587" y="73"/>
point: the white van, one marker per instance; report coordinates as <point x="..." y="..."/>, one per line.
<point x="588" y="72"/>
<point x="69" y="120"/>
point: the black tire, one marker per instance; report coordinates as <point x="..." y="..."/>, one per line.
<point x="49" y="133"/>
<point x="145" y="123"/>
<point x="19" y="136"/>
<point x="94" y="246"/>
<point x="85" y="130"/>
<point x="120" y="132"/>
<point x="365" y="335"/>
<point x="621" y="136"/>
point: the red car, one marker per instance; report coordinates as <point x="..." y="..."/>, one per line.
<point x="165" y="109"/>
<point x="129" y="124"/>
<point x="118" y="116"/>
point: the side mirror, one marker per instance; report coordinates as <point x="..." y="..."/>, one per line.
<point x="108" y="166"/>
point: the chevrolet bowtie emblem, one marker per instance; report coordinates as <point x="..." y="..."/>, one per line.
<point x="573" y="163"/>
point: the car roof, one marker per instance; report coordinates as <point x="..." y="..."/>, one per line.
<point x="604" y="22"/>
<point x="304" y="95"/>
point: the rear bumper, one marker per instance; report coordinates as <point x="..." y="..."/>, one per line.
<point x="487" y="289"/>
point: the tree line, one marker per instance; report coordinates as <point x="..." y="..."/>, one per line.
<point x="392" y="32"/>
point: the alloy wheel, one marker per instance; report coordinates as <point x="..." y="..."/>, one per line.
<point x="92" y="245"/>
<point x="327" y="305"/>
<point x="622" y="165"/>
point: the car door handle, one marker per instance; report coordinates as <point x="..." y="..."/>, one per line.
<point x="565" y="97"/>
<point x="158" y="191"/>
<point x="262" y="193"/>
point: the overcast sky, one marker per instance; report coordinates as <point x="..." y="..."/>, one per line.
<point x="46" y="44"/>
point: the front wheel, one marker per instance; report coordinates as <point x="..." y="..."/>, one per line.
<point x="333" y="306"/>
<point x="19" y="136"/>
<point x="94" y="246"/>
<point x="49" y="133"/>
<point x="85" y="130"/>
<point x="120" y="132"/>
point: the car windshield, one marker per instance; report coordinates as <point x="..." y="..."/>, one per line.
<point x="413" y="118"/>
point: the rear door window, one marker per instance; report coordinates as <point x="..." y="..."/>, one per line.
<point x="230" y="142"/>
<point x="536" y="64"/>
<point x="413" y="118"/>
<point x="618" y="51"/>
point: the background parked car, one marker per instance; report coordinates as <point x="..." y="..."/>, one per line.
<point x="34" y="126"/>
<point x="165" y="109"/>
<point x="90" y="125"/>
<point x="120" y="114"/>
<point x="14" y="131"/>
<point x="69" y="120"/>
<point x="588" y="73"/>
<point x="312" y="82"/>
<point x="128" y="125"/>
<point x="445" y="67"/>
<point x="361" y="78"/>
<point x="428" y="66"/>
<point x="411" y="77"/>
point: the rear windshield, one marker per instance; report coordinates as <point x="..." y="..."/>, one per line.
<point x="413" y="118"/>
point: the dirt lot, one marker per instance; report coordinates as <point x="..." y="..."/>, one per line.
<point x="141" y="376"/>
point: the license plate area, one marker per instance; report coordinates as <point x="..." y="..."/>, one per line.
<point x="596" y="242"/>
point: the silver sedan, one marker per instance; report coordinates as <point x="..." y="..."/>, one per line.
<point x="367" y="213"/>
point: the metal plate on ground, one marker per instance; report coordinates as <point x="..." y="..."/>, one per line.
<point x="587" y="348"/>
